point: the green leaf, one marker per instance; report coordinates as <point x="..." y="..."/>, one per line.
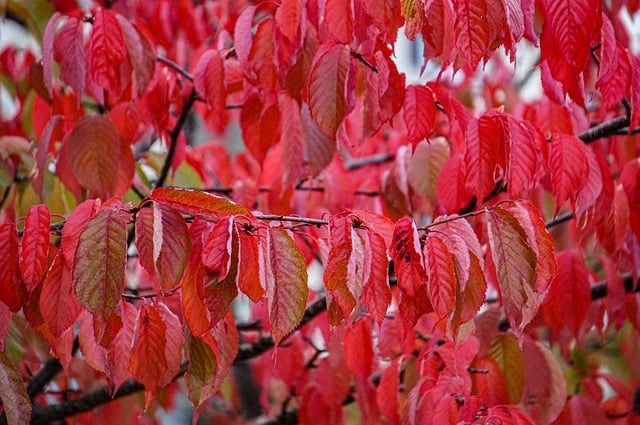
<point x="100" y="259"/>
<point x="507" y="354"/>
<point x="286" y="284"/>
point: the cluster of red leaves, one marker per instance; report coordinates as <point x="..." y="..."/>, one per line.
<point x="447" y="298"/>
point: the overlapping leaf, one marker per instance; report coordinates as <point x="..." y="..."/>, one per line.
<point x="107" y="50"/>
<point x="327" y="87"/>
<point x="99" y="263"/>
<point x="35" y="246"/>
<point x="418" y="112"/>
<point x="286" y="283"/>
<point x="15" y="400"/>
<point x="197" y="203"/>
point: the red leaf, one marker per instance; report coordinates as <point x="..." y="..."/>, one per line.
<point x="47" y="52"/>
<point x="68" y="51"/>
<point x="259" y="120"/>
<point x="74" y="226"/>
<point x="485" y="155"/>
<point x="144" y="239"/>
<point x="197" y="203"/>
<point x="339" y="274"/>
<point x="471" y="32"/>
<point x="569" y="297"/>
<point x="515" y="263"/>
<point x="262" y="56"/>
<point x="293" y="144"/>
<point x="545" y="384"/>
<point x="34" y="256"/>
<point x="419" y="112"/>
<point x="319" y="149"/>
<point x="376" y="293"/>
<point x="339" y="20"/>
<point x="327" y="87"/>
<point x="195" y="312"/>
<point x="94" y="154"/>
<point x="286" y="283"/>
<point x="522" y="159"/>
<point x="122" y="346"/>
<point x="58" y="304"/>
<point x="289" y="17"/>
<point x="107" y="50"/>
<point x="407" y="256"/>
<point x="12" y="291"/>
<point x="171" y="246"/>
<point x="149" y="361"/>
<point x="567" y="164"/>
<point x="15" y="400"/>
<point x="100" y="259"/>
<point x="358" y="348"/>
<point x="451" y="189"/>
<point x="249" y="273"/>
<point x="583" y="410"/>
<point x="442" y="278"/>
<point x="219" y="292"/>
<point x="141" y="53"/>
<point x="506" y="415"/>
<point x="242" y="36"/>
<point x="567" y="32"/>
<point x="209" y="82"/>
<point x="218" y="249"/>
<point x="387" y="392"/>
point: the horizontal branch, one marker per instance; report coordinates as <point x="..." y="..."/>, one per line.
<point x="606" y="129"/>
<point x="46" y="414"/>
<point x="381" y="158"/>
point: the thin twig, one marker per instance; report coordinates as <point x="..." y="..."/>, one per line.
<point x="180" y="70"/>
<point x="381" y="158"/>
<point x="294" y="219"/>
<point x="174" y="134"/>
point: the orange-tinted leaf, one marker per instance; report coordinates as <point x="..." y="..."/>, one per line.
<point x="171" y="247"/>
<point x="148" y="361"/>
<point x="94" y="154"/>
<point x="249" y="280"/>
<point x="195" y="312"/>
<point x="35" y="246"/>
<point x="407" y="256"/>
<point x="100" y="259"/>
<point x="144" y="239"/>
<point x="507" y="354"/>
<point x="74" y="226"/>
<point x="12" y="291"/>
<point x="58" y="304"/>
<point x="197" y="203"/>
<point x="327" y="84"/>
<point x="286" y="283"/>
<point x="202" y="368"/>
<point x="339" y="273"/>
<point x="425" y="165"/>
<point x="419" y="112"/>
<point x="15" y="400"/>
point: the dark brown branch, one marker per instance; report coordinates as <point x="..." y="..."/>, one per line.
<point x="47" y="414"/>
<point x="381" y="158"/>
<point x="180" y="70"/>
<point x="560" y="219"/>
<point x="174" y="134"/>
<point x="47" y="373"/>
<point x="606" y="129"/>
<point x="363" y="61"/>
